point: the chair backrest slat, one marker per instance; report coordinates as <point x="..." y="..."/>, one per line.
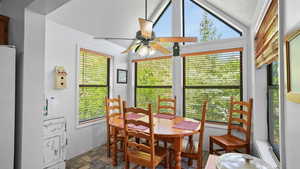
<point x="244" y="109"/>
<point x="239" y="120"/>
<point x="139" y="135"/>
<point x="139" y="146"/>
<point x="137" y="110"/>
<point x="166" y="104"/>
<point x="138" y="123"/>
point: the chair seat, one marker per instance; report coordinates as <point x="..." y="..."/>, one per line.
<point x="228" y="141"/>
<point x="142" y="158"/>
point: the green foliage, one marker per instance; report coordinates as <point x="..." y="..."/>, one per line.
<point x="208" y="30"/>
<point x="93" y="71"/>
<point x="153" y="73"/>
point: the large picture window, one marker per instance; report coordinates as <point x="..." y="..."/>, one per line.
<point x="273" y="107"/>
<point x="215" y="78"/>
<point x="93" y="85"/>
<point x="153" y="78"/>
<point x="205" y="25"/>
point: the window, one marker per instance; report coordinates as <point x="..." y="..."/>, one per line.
<point x="201" y="23"/>
<point x="153" y="78"/>
<point x="273" y="107"/>
<point x="93" y="84"/>
<point x="215" y="78"/>
<point x="163" y="25"/>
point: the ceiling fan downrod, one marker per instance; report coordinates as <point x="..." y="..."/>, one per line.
<point x="146" y="6"/>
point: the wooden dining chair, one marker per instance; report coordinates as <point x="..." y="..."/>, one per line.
<point x="166" y="105"/>
<point x="113" y="108"/>
<point x="240" y="116"/>
<point x="193" y="149"/>
<point x="145" y="155"/>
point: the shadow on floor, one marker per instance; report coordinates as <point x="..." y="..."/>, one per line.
<point x="97" y="159"/>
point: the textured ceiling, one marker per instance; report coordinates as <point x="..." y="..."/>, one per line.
<point x="104" y="18"/>
<point x="118" y="18"/>
<point x="242" y="10"/>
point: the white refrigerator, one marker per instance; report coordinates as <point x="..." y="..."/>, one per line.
<point x="7" y="106"/>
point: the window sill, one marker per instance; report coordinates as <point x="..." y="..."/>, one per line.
<point x="91" y="123"/>
<point x="265" y="152"/>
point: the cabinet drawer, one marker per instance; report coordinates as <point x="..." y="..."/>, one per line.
<point x="54" y="126"/>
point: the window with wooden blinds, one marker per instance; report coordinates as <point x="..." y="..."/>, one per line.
<point x="93" y="84"/>
<point x="213" y="77"/>
<point x="266" y="40"/>
<point x="152" y="78"/>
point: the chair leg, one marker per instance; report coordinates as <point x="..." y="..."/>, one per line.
<point x="124" y="150"/>
<point x="167" y="162"/>
<point x="190" y="162"/>
<point x="170" y="160"/>
<point x="248" y="149"/>
<point x="127" y="165"/>
<point x="211" y="144"/>
<point x="199" y="161"/>
<point x="108" y="148"/>
<point x="165" y="144"/>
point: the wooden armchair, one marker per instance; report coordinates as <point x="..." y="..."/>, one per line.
<point x="166" y="105"/>
<point x="113" y="108"/>
<point x="230" y="142"/>
<point x="145" y="155"/>
<point x="193" y="149"/>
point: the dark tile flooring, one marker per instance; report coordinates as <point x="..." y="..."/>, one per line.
<point x="97" y="159"/>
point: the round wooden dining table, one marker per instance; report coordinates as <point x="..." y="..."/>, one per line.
<point x="163" y="130"/>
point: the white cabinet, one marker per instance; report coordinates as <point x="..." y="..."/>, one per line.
<point x="7" y="106"/>
<point x="55" y="142"/>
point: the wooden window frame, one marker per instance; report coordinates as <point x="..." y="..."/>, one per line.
<point x="82" y="123"/>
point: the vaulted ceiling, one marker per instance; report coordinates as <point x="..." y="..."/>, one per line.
<point x="241" y="10"/>
<point x="118" y="18"/>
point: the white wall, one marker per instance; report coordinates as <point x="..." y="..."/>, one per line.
<point x="33" y="86"/>
<point x="291" y="22"/>
<point x="61" y="49"/>
<point x="259" y="91"/>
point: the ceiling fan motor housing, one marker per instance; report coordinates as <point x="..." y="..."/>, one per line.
<point x="143" y="39"/>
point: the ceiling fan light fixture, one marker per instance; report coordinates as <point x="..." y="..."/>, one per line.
<point x="145" y="51"/>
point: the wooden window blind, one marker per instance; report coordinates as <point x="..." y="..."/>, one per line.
<point x="266" y="40"/>
<point x="93" y="84"/>
<point x="152" y="78"/>
<point x="213" y="77"/>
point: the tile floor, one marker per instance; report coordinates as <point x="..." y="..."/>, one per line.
<point x="97" y="159"/>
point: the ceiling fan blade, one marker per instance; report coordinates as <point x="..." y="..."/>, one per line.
<point x="107" y="38"/>
<point x="133" y="45"/>
<point x="160" y="48"/>
<point x="176" y="39"/>
<point x="146" y="28"/>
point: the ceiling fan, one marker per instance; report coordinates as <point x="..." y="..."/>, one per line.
<point x="145" y="43"/>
